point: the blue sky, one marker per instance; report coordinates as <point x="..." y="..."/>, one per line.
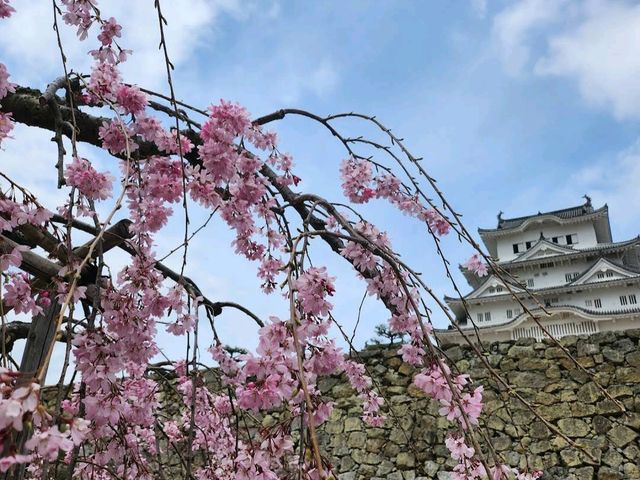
<point x="517" y="106"/>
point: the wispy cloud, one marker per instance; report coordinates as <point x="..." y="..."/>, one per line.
<point x="591" y="43"/>
<point x="614" y="180"/>
<point x="479" y="7"/>
<point x="191" y="23"/>
<point x="600" y="55"/>
<point x="514" y="26"/>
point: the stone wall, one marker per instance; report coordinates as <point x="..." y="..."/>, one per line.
<point x="411" y="444"/>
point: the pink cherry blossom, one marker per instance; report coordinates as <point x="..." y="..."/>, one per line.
<point x="357" y="176"/>
<point x="116" y="137"/>
<point x="6" y="126"/>
<point x="313" y="286"/>
<point x="17" y="294"/>
<point x="78" y="13"/>
<point x="5" y="9"/>
<point x="10" y="460"/>
<point x="458" y="448"/>
<point x="476" y="265"/>
<point x="108" y="31"/>
<point x="411" y="354"/>
<point x="5" y="86"/>
<point x="91" y="183"/>
<point x="131" y="99"/>
<point x="48" y="442"/>
<point x="13" y="259"/>
<point x="104" y="82"/>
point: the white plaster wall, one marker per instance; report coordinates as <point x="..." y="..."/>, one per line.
<point x="609" y="297"/>
<point x="498" y="312"/>
<point x="551" y="277"/>
<point x="586" y="236"/>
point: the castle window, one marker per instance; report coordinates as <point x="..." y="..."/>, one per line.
<point x="601" y="275"/>
<point x="546" y="265"/>
<point x="492" y="290"/>
<point x="623" y="299"/>
<point x="609" y="274"/>
<point x="515" y="248"/>
<point x="632" y="299"/>
<point x="554" y="239"/>
<point x="571" y="239"/>
<point x="487" y="316"/>
<point x="588" y="303"/>
<point x="528" y="245"/>
<point x="571" y="276"/>
<point x="529" y="282"/>
<point x="509" y="313"/>
<point x="480" y="317"/>
<point x="549" y="301"/>
<point x="597" y="303"/>
<point x="499" y="288"/>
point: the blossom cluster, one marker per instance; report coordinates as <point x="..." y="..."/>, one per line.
<point x="19" y="404"/>
<point x="118" y="399"/>
<point x="91" y="183"/>
<point x="475" y="265"/>
<point x="6" y="87"/>
<point x="360" y="185"/>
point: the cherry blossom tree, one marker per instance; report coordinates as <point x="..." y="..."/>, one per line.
<point x="110" y="422"/>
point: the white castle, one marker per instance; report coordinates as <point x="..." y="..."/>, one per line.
<point x="578" y="280"/>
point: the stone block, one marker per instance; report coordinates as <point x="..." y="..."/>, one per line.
<point x="621" y="435"/>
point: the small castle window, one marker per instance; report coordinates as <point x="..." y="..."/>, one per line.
<point x="632" y="299"/>
<point x="509" y="313"/>
<point x="597" y="303"/>
<point x="623" y="300"/>
<point x="571" y="276"/>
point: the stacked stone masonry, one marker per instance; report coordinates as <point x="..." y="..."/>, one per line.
<point x="410" y="446"/>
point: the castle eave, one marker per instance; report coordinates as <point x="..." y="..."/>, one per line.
<point x="542" y="291"/>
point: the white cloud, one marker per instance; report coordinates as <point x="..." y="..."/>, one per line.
<point x="190" y="25"/>
<point x="514" y="26"/>
<point x="614" y="181"/>
<point x="600" y="55"/>
<point x="316" y="79"/>
<point x="592" y="43"/>
<point x="479" y="7"/>
<point x="291" y="75"/>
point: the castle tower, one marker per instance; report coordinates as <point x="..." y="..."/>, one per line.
<point x="579" y="280"/>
